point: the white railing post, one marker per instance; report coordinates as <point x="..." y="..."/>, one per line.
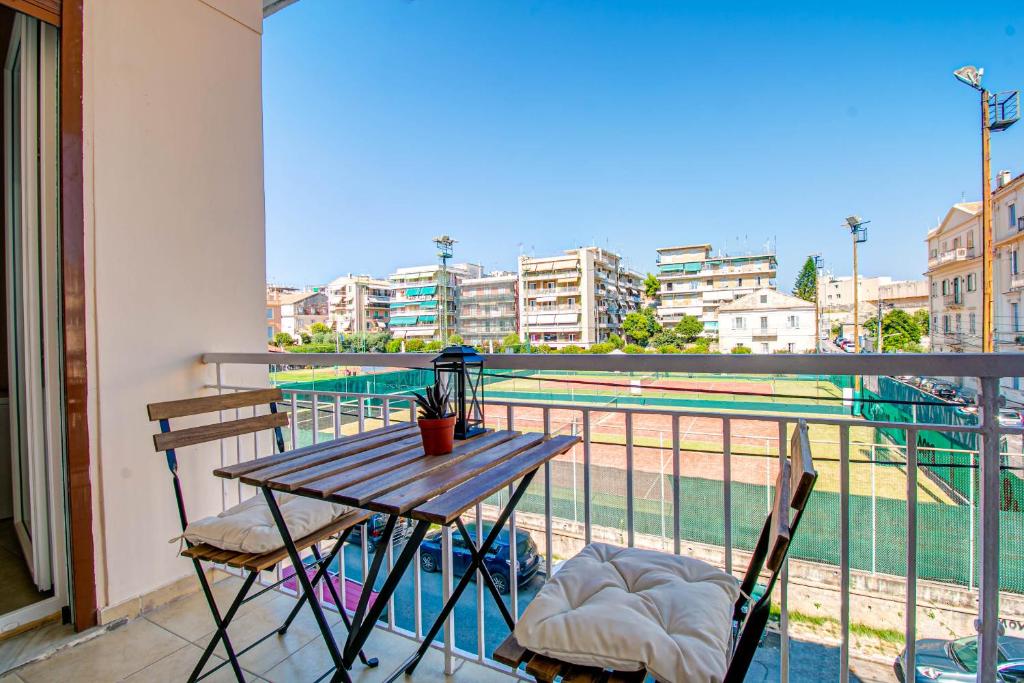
<point x="316" y="417"/>
<point x="988" y="530"/>
<point x="548" y="536"/>
<point x="630" y="540"/>
<point x="727" y="491"/>
<point x="586" y="476"/>
<point x="910" y="636"/>
<point x="844" y="553"/>
<point x="446" y="593"/>
<point x="677" y="495"/>
<point x="783" y="583"/>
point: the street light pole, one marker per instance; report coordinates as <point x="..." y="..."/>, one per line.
<point x="988" y="317"/>
<point x="817" y="302"/>
<point x="859" y="233"/>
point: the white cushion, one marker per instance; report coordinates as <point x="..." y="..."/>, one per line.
<point x="627" y="609"/>
<point x="249" y="527"/>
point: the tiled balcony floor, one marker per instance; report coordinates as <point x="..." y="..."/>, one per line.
<point x="165" y="644"/>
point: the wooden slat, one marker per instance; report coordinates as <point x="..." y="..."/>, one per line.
<point x="544" y="669"/>
<point x="209" y="404"/>
<point x="44" y="10"/>
<point x="262" y="561"/>
<point x="343" y="463"/>
<point x="510" y="652"/>
<point x="368" y="489"/>
<point x="446" y="507"/>
<point x="804" y="474"/>
<point x="778" y="541"/>
<point x="348" y="450"/>
<point x="218" y="430"/>
<point x="426" y="487"/>
<point x="238" y="469"/>
<point x="357" y="475"/>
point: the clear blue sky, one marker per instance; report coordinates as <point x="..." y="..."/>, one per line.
<point x="539" y="126"/>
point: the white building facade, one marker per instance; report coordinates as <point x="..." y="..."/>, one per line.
<point x="694" y="281"/>
<point x="767" y="321"/>
<point x="424" y="301"/>
<point x="954" y="280"/>
<point x="359" y="303"/>
<point x="488" y="309"/>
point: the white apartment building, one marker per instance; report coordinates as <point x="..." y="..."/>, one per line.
<point x="359" y="303"/>
<point x="954" y="280"/>
<point x="696" y="282"/>
<point x="767" y="321"/>
<point x="577" y="298"/>
<point x="298" y="311"/>
<point x="488" y="309"/>
<point x="835" y="297"/>
<point x="1008" y="279"/>
<point x="421" y="295"/>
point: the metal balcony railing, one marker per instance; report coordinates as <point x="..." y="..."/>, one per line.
<point x="605" y="489"/>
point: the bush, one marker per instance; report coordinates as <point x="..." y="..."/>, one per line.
<point x="434" y="346"/>
<point x="305" y="338"/>
<point x="572" y="348"/>
<point x="311" y="348"/>
<point x="283" y="339"/>
<point x="320" y="328"/>
<point x="634" y="348"/>
<point x="616" y="341"/>
<point x="511" y="343"/>
<point x="702" y="345"/>
<point x="541" y="348"/>
<point x="455" y="340"/>
<point x="668" y="348"/>
<point x="740" y="349"/>
<point x="414" y="345"/>
<point x="393" y="346"/>
<point x="602" y="347"/>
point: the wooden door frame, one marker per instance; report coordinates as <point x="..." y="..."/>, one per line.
<point x="75" y="370"/>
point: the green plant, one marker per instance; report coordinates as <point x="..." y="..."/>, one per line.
<point x="511" y="343"/>
<point x="634" y="348"/>
<point x="319" y="328"/>
<point x="740" y="349"/>
<point x="668" y="348"/>
<point x="616" y="341"/>
<point x="689" y="328"/>
<point x="572" y="348"/>
<point x="602" y="347"/>
<point x="651" y="286"/>
<point x="641" y="325"/>
<point x="433" y="403"/>
<point x="283" y="339"/>
<point x="542" y="348"/>
<point x="393" y="346"/>
<point x="806" y="286"/>
<point x="414" y="345"/>
<point x="435" y="345"/>
<point x="455" y="340"/>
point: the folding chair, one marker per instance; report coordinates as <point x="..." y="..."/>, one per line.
<point x="741" y="630"/>
<point x="168" y="441"/>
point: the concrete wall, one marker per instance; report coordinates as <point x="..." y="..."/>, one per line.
<point x="176" y="265"/>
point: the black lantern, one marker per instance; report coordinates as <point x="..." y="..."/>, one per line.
<point x="460" y="370"/>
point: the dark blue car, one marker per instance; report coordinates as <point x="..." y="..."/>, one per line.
<point x="497" y="560"/>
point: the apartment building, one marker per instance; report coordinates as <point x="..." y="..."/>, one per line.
<point x="488" y="309"/>
<point x="954" y="280"/>
<point x="421" y="295"/>
<point x="767" y="321"/>
<point x="296" y="312"/>
<point x="694" y="281"/>
<point x="359" y="303"/>
<point x="1008" y="279"/>
<point x="577" y="298"/>
<point x="835" y="298"/>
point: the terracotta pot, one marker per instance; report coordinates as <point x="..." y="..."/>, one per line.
<point x="438" y="435"/>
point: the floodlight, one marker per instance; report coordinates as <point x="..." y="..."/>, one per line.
<point x="853" y="222"/>
<point x="971" y="75"/>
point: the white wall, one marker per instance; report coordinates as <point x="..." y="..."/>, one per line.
<point x="781" y="333"/>
<point x="175" y="232"/>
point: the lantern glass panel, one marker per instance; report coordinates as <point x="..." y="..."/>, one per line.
<point x="460" y="370"/>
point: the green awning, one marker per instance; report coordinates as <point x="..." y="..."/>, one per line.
<point x="428" y="290"/>
<point x="398" y="304"/>
<point x="412" y="291"/>
<point x="428" y="304"/>
<point x="681" y="267"/>
<point x="427" y="318"/>
<point x="403" y="321"/>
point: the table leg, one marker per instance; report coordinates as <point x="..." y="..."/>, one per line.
<point x="340" y="674"/>
<point x="366" y="615"/>
<point x="476" y="563"/>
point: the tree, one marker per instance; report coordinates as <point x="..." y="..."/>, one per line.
<point x="511" y="343"/>
<point x="572" y="348"/>
<point x="455" y="340"/>
<point x="414" y="345"/>
<point x="806" y="286"/>
<point x="923" y="321"/>
<point x="434" y="345"/>
<point x="641" y="325"/>
<point x="634" y="348"/>
<point x="319" y="328"/>
<point x="689" y="329"/>
<point x="668" y="348"/>
<point x="601" y="347"/>
<point x="393" y="346"/>
<point x="899" y="332"/>
<point x="651" y="286"/>
<point x="283" y="339"/>
<point x="665" y="338"/>
<point x="616" y="341"/>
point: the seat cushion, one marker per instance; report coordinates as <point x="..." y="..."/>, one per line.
<point x="628" y="609"/>
<point x="249" y="527"/>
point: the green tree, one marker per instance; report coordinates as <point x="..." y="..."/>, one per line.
<point x="393" y="346"/>
<point x="806" y="286"/>
<point x="641" y="325"/>
<point x="616" y="341"/>
<point x="668" y="348"/>
<point x="665" y="338"/>
<point x="923" y="320"/>
<point x="434" y="345"/>
<point x="283" y="339"/>
<point x="542" y="348"/>
<point x="651" y="285"/>
<point x="320" y="328"/>
<point x="900" y="332"/>
<point x="455" y="340"/>
<point x="740" y="349"/>
<point x="634" y="348"/>
<point x="602" y="347"/>
<point x="572" y="349"/>
<point x="414" y="345"/>
<point x="511" y="343"/>
<point x="700" y="345"/>
<point x="689" y="329"/>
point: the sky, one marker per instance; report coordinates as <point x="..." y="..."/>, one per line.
<point x="534" y="126"/>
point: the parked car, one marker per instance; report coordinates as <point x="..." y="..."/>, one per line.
<point x="376" y="525"/>
<point x="906" y="379"/>
<point x="497" y="561"/>
<point x="945" y="391"/>
<point x="957" y="660"/>
<point x="1008" y="417"/>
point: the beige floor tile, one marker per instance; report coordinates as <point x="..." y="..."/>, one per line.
<point x="109" y="657"/>
<point x="391" y="649"/>
<point x="178" y="665"/>
<point x="11" y="678"/>
<point x="259" y="621"/>
<point x="190" y="616"/>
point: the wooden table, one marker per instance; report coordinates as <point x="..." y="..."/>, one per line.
<point x="386" y="471"/>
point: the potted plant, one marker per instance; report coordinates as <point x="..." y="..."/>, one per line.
<point x="436" y="420"/>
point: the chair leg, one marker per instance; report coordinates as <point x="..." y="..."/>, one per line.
<point x="370" y="662"/>
<point x="222" y="625"/>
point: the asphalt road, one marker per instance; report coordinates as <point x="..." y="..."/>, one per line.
<point x="808" y="661"/>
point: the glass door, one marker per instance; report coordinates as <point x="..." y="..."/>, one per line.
<point x="33" y="287"/>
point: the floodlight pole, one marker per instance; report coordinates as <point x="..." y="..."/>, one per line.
<point x="856" y="297"/>
<point x="988" y="318"/>
<point x="817" y="301"/>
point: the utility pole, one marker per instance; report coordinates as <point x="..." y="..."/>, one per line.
<point x="818" y="263"/>
<point x="445" y="249"/>
<point x="1006" y="109"/>
<point x="859" y="234"/>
